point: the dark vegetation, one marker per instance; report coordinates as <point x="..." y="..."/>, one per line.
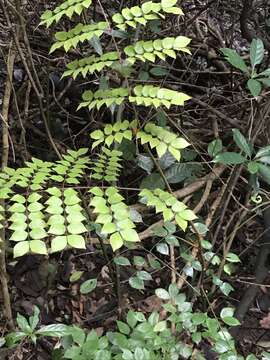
<point x="222" y="260"/>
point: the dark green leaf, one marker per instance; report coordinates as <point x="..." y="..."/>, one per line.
<point x="159" y="71"/>
<point x="153" y="181"/>
<point x="234" y="59"/>
<point x="229" y="158"/>
<point x="120" y="260"/>
<point x="146" y="163"/>
<point x="180" y="172"/>
<point x="88" y="286"/>
<point x="265" y="81"/>
<point x="162" y="294"/>
<point x="214" y="147"/>
<point x="253" y="167"/>
<point x="264" y="171"/>
<point x="254" y="86"/>
<point x="163" y="249"/>
<point x="136" y="283"/>
<point x="53" y="330"/>
<point x="256" y="52"/>
<point x="241" y="142"/>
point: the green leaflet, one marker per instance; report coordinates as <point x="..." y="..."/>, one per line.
<point x="112" y="133"/>
<point x="71" y="168"/>
<point x="146" y="95"/>
<point x="107" y="166"/>
<point x="234" y="59"/>
<point x="79" y="34"/>
<point x="116" y="223"/>
<point x="26" y="213"/>
<point x="91" y="64"/>
<point x="157" y="137"/>
<point x="162" y="140"/>
<point x="103" y="97"/>
<point x="160" y="48"/>
<point x="141" y="15"/>
<point x="149" y="95"/>
<point x="169" y="206"/>
<point x="67" y="8"/>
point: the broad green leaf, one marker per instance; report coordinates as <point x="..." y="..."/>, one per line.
<point x="229" y="158"/>
<point x="214" y="147"/>
<point x="108" y="228"/>
<point x="264" y="172"/>
<point x="104" y="218"/>
<point x="162" y="294"/>
<point x="181" y="42"/>
<point x="180" y="172"/>
<point x="163" y="248"/>
<point x="144" y="275"/>
<point x="265" y="151"/>
<point x="116" y="241"/>
<point x="130" y="235"/>
<point x="38" y="247"/>
<point x="118" y="19"/>
<point x="180" y="143"/>
<point x="121" y="260"/>
<point x="21" y="248"/>
<point x="226" y="315"/>
<point x="76" y="228"/>
<point x="187" y="215"/>
<point x="18" y="199"/>
<point x="54" y="330"/>
<point x="19" y="235"/>
<point x="123" y="328"/>
<point x="75" y="276"/>
<point x="56" y="219"/>
<point x="54" y="191"/>
<point x="181" y="222"/>
<point x="17" y="208"/>
<point x="174" y="10"/>
<point x="265" y="81"/>
<point x="96" y="191"/>
<point x="57" y="229"/>
<point x="234" y="59"/>
<point x="253" y="167"/>
<point x="34" y="197"/>
<point x="138" y="261"/>
<point x="161" y="149"/>
<point x="136" y="283"/>
<point x="198" y="318"/>
<point x="131" y="319"/>
<point x="23" y="324"/>
<point x="168" y="3"/>
<point x="58" y="243"/>
<point x="159" y="71"/>
<point x="233" y="258"/>
<point x="254" y="86"/>
<point x="38" y="233"/>
<point x="160" y="326"/>
<point x="241" y="142"/>
<point x="88" y="286"/>
<point x="178" y="206"/>
<point x="256" y="52"/>
<point x="76" y="241"/>
<point x="175" y="152"/>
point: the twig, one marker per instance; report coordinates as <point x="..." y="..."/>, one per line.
<point x="33" y="83"/>
<point x="235" y="174"/>
<point x="261" y="270"/>
<point x="172" y="254"/>
<point x="205" y="196"/>
<point x="5" y="154"/>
